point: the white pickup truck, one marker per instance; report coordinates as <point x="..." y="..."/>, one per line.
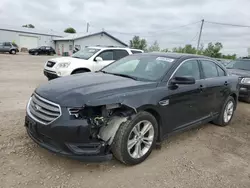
<point x="86" y="60"/>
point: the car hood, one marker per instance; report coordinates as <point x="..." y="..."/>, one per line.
<point x="68" y="59"/>
<point x="91" y="89"/>
<point x="239" y="72"/>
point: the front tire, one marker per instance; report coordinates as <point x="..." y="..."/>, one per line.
<point x="135" y="139"/>
<point x="227" y="112"/>
<point x="36" y="53"/>
<point x="13" y="52"/>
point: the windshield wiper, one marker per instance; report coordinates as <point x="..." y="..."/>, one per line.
<point x="124" y="75"/>
<point x="243" y="69"/>
<point x="118" y="74"/>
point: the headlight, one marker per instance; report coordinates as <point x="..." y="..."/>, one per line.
<point x="245" y="81"/>
<point x="63" y="65"/>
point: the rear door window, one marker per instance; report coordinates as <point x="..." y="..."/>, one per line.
<point x="209" y="69"/>
<point x="221" y="72"/>
<point x="118" y="54"/>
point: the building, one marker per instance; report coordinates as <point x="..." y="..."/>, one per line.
<point x="103" y="38"/>
<point x="28" y="37"/>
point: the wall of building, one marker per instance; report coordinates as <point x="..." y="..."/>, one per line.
<point x="64" y="46"/>
<point x="14" y="36"/>
<point x="101" y="39"/>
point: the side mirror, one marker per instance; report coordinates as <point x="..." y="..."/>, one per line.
<point x="98" y="59"/>
<point x="183" y="80"/>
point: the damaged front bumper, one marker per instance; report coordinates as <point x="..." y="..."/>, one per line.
<point x="70" y="138"/>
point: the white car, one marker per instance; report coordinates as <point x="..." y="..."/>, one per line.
<point x="86" y="60"/>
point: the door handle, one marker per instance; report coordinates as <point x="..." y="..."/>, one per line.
<point x="226" y="83"/>
<point x="201" y="88"/>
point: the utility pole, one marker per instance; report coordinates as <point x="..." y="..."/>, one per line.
<point x="199" y="40"/>
<point x="87" y="27"/>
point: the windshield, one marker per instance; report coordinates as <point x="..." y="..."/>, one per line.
<point x="141" y="67"/>
<point x="239" y="64"/>
<point x="86" y="53"/>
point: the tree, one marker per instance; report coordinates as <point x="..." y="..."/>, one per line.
<point x="213" y="50"/>
<point x="165" y="50"/>
<point x="138" y="43"/>
<point x="188" y="48"/>
<point x="201" y="48"/>
<point x="229" y="56"/>
<point x="154" y="47"/>
<point x="29" y="26"/>
<point x="70" y="30"/>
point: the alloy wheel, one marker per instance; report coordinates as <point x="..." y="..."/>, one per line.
<point x="228" y="112"/>
<point x="140" y="139"/>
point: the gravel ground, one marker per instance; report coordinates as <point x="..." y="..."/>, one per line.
<point x="210" y="156"/>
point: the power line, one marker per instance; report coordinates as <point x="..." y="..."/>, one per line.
<point x="228" y="24"/>
<point x="153" y="32"/>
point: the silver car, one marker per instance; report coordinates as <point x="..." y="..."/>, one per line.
<point x="10" y="47"/>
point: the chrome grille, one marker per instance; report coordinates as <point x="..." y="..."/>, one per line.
<point x="42" y="110"/>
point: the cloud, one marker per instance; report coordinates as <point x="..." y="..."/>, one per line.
<point x="153" y="20"/>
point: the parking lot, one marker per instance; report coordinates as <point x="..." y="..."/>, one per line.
<point x="209" y="156"/>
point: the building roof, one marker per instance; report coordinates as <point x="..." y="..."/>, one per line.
<point x="31" y="30"/>
<point x="80" y="36"/>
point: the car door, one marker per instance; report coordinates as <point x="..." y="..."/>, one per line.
<point x="1" y="47"/>
<point x="42" y="50"/>
<point x="107" y="58"/>
<point x="184" y="101"/>
<point x="216" y="86"/>
<point x="6" y="46"/>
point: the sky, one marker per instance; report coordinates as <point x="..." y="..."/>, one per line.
<point x="150" y="19"/>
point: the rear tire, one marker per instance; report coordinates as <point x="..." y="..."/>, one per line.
<point x="131" y="148"/>
<point x="227" y="112"/>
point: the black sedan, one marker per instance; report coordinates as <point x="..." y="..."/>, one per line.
<point x="43" y="50"/>
<point x="130" y="105"/>
<point x="241" y="68"/>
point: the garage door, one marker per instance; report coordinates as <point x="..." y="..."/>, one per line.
<point x="28" y="42"/>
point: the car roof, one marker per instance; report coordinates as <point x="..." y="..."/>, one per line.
<point x="175" y="55"/>
<point x="112" y="47"/>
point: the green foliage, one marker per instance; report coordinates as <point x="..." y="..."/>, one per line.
<point x="29" y="26"/>
<point x="229" y="56"/>
<point x="165" y="50"/>
<point x="189" y="49"/>
<point x="138" y="43"/>
<point x="213" y="50"/>
<point x="70" y="30"/>
<point x="154" y="47"/>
